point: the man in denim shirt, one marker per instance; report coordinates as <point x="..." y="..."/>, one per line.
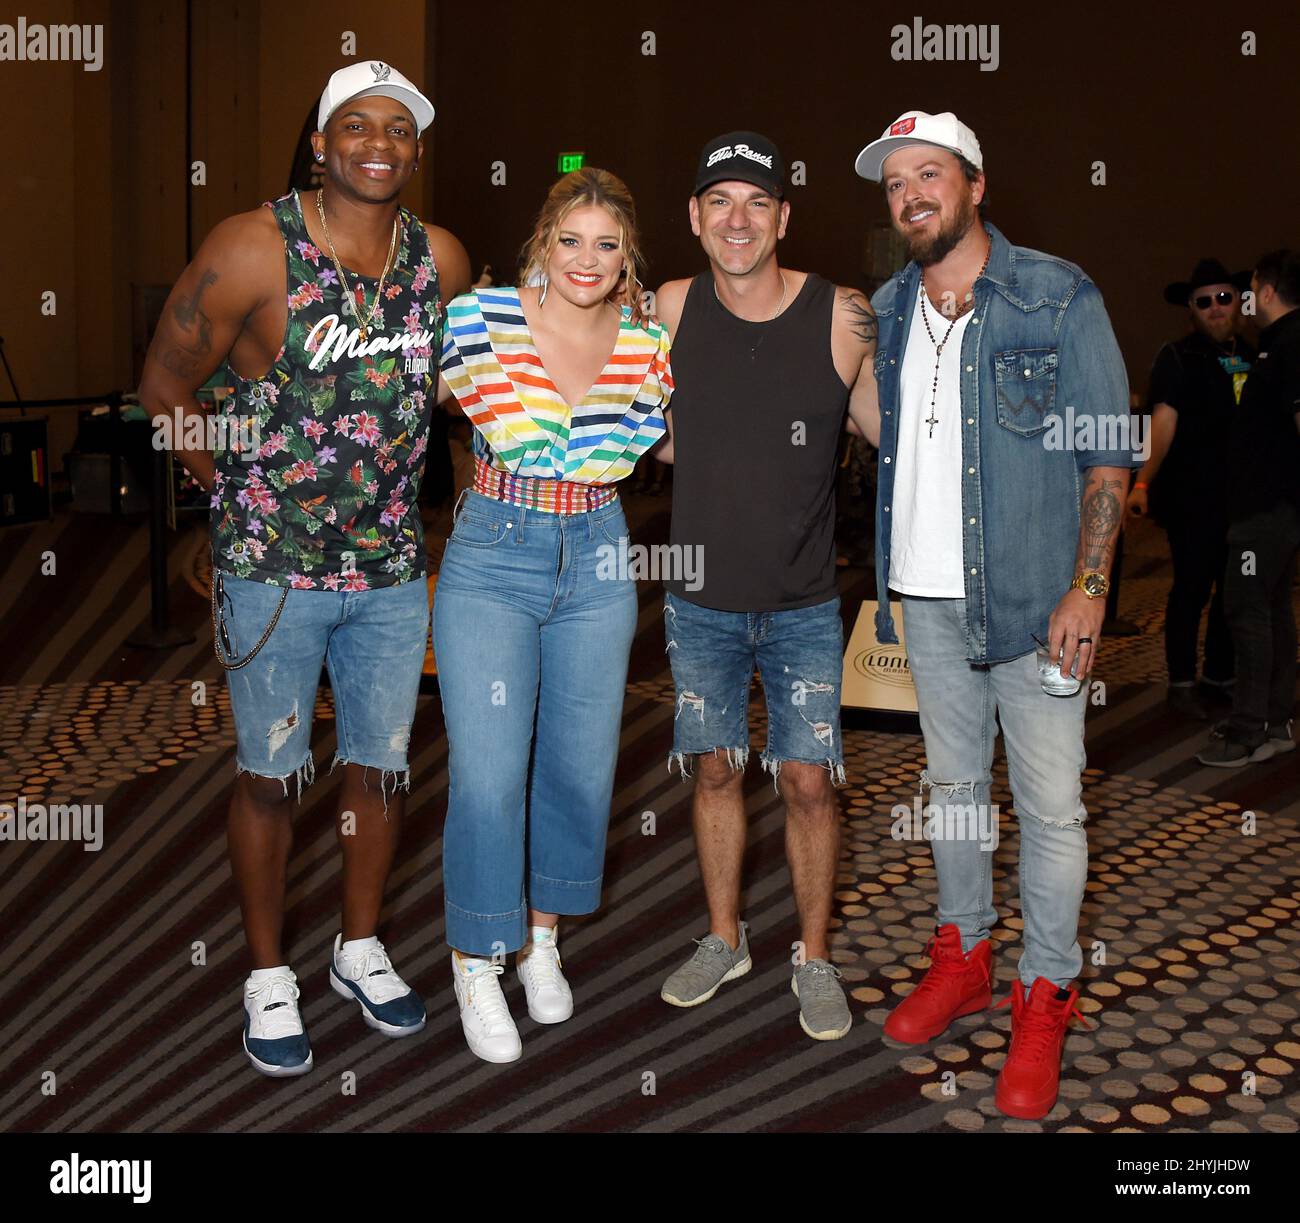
<point x="1004" y="465"/>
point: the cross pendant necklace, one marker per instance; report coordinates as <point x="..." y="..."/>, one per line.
<point x="933" y="420"/>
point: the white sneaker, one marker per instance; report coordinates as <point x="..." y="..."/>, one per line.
<point x="275" y="1040"/>
<point x="367" y="976"/>
<point x="549" y="998"/>
<point x="489" y="1031"/>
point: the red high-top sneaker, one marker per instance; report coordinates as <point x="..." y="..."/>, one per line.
<point x="955" y="985"/>
<point x="1028" y="1083"/>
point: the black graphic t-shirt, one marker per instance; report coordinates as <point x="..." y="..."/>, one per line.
<point x="1203" y="382"/>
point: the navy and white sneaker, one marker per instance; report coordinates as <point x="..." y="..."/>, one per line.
<point x="274" y="1038"/>
<point x="366" y="975"/>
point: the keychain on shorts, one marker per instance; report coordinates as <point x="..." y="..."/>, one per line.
<point x="219" y="625"/>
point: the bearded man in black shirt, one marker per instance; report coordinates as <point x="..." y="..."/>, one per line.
<point x="1196" y="385"/>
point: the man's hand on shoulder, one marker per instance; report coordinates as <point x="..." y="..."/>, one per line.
<point x="853" y="348"/>
<point x="670" y="300"/>
<point x="451" y="260"/>
<point x="854" y="321"/>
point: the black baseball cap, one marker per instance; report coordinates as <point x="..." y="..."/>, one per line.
<point x="745" y="156"/>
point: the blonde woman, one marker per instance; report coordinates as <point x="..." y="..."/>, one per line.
<point x="533" y="616"/>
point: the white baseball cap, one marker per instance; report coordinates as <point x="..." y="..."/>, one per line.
<point x="369" y="79"/>
<point x="918" y="127"/>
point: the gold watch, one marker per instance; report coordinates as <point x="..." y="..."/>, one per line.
<point x="1092" y="583"/>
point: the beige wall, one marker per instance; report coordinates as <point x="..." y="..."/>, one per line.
<point x="38" y="247"/>
<point x="92" y="196"/>
<point x="92" y="200"/>
<point x="298" y="54"/>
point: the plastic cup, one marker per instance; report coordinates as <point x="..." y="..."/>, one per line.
<point x="1054" y="681"/>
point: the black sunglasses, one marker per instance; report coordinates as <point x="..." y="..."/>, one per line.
<point x="1224" y="297"/>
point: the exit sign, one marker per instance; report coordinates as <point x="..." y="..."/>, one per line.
<point x="566" y="163"/>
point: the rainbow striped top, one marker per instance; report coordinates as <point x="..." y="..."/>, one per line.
<point x="522" y="425"/>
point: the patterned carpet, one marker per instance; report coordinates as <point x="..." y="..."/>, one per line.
<point x="121" y="972"/>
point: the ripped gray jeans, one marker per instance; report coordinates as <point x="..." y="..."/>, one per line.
<point x="961" y="705"/>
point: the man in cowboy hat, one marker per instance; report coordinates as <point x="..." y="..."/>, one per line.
<point x="1263" y="462"/>
<point x="1195" y="387"/>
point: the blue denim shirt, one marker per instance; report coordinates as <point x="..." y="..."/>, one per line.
<point x="1043" y="389"/>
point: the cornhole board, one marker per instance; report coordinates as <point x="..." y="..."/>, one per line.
<point x="876" y="691"/>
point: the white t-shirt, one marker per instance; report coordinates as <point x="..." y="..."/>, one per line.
<point x="926" y="536"/>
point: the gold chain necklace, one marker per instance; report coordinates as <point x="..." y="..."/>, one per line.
<point x="363" y="324"/>
<point x="779" y="304"/>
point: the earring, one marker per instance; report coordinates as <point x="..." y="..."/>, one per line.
<point x="320" y="156"/>
<point x="546" y="284"/>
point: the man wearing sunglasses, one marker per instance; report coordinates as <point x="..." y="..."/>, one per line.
<point x="1196" y="385"/>
<point x="1263" y="459"/>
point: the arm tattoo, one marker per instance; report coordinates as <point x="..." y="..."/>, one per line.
<point x="861" y="321"/>
<point x="1102" y="514"/>
<point x="188" y="356"/>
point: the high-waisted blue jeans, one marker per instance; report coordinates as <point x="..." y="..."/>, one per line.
<point x="532" y="627"/>
<point x="961" y="705"/>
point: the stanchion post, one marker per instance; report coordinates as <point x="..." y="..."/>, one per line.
<point x="115" y="452"/>
<point x="161" y="635"/>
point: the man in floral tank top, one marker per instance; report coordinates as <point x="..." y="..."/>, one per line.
<point x="328" y="309"/>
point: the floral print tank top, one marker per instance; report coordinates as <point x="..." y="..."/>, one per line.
<point x="324" y="497"/>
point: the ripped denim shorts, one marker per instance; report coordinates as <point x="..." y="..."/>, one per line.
<point x="799" y="655"/>
<point x="371" y="641"/>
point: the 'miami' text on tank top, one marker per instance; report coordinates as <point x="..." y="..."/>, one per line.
<point x="327" y="501"/>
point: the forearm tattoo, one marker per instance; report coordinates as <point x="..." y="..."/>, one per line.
<point x="1103" y="511"/>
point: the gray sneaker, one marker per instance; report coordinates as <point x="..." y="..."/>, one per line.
<point x="713" y="963"/>
<point x="1280" y="738"/>
<point x="1228" y="753"/>
<point x="823" y="1009"/>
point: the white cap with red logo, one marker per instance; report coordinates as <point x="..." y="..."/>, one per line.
<point x="366" y="80"/>
<point x="918" y="127"/>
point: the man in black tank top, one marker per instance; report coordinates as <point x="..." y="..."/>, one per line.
<point x="766" y="363"/>
<point x="328" y="310"/>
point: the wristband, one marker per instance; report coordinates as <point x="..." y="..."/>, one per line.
<point x="1140" y="484"/>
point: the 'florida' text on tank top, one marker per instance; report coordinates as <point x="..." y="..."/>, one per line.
<point x="346" y="341"/>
